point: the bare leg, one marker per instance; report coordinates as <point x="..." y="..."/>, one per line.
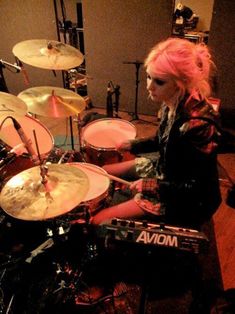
<point x="125" y="168"/>
<point x="128" y="209"/>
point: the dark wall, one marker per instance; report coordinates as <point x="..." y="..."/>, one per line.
<point x="222" y="42"/>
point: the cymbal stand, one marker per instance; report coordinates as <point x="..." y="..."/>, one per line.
<point x="79" y="128"/>
<point x="64" y="73"/>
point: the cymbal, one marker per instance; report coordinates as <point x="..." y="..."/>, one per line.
<point x="25" y="197"/>
<point x="51" y="101"/>
<point x="48" y="54"/>
<point x="11" y="105"/>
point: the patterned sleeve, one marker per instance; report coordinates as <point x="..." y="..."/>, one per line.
<point x="202" y="134"/>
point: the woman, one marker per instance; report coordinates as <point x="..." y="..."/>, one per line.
<point x="181" y="187"/>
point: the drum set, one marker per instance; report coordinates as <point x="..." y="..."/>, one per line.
<point x="34" y="190"/>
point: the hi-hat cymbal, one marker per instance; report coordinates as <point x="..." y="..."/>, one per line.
<point x="11" y="105"/>
<point x="48" y="54"/>
<point x="25" y="197"/>
<point x="48" y="101"/>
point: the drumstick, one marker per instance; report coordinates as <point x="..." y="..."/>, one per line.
<point x="105" y="174"/>
<point x="115" y="178"/>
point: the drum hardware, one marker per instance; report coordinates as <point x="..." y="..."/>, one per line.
<point x="78" y="121"/>
<point x="36" y="194"/>
<point x="111" y="89"/>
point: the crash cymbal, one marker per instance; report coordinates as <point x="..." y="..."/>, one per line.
<point x="11" y="105"/>
<point x="51" y="101"/>
<point x="48" y="54"/>
<point x="25" y="197"/>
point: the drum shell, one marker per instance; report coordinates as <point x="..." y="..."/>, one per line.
<point x="99" y="139"/>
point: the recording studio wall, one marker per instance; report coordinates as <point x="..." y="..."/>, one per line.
<point x="121" y="31"/>
<point x="25" y="20"/>
<point x="221" y="40"/>
<point x="115" y="32"/>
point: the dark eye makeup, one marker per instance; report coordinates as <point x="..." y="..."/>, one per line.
<point x="157" y="81"/>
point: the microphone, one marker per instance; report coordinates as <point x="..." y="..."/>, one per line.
<point x="27" y="142"/>
<point x="23" y="71"/>
<point x="18" y="149"/>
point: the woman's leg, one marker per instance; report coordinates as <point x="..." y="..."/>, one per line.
<point x="128" y="209"/>
<point x="122" y="169"/>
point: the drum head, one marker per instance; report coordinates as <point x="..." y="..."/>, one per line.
<point x="28" y="124"/>
<point x="98" y="183"/>
<point x="106" y="133"/>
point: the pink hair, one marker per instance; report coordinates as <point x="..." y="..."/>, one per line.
<point x="187" y="63"/>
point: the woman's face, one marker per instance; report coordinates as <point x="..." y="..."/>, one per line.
<point x="160" y="89"/>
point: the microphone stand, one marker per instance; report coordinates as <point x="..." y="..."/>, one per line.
<point x="117" y="94"/>
<point x="109" y="102"/>
<point x="137" y="65"/>
<point x="135" y="113"/>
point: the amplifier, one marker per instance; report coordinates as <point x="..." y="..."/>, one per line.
<point x="150" y="234"/>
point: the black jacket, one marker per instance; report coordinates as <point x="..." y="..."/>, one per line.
<point x="186" y="166"/>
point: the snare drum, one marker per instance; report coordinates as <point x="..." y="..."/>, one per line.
<point x="98" y="186"/>
<point x="99" y="138"/>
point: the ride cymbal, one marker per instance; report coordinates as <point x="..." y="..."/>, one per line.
<point x="25" y="197"/>
<point x="11" y="105"/>
<point x="48" y="54"/>
<point x="51" y="101"/>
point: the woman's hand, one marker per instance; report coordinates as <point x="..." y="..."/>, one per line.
<point x="123" y="146"/>
<point x="137" y="186"/>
